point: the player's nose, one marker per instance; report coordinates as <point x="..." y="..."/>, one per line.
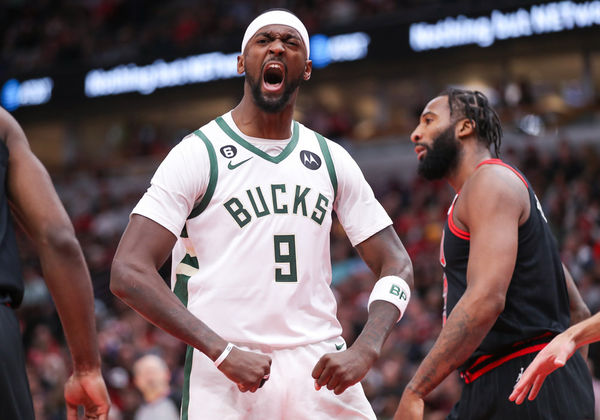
<point x="416" y="135"/>
<point x="276" y="47"/>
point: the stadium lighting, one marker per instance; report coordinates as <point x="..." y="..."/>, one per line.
<point x="485" y="30"/>
<point x="202" y="68"/>
<point x="15" y="94"/>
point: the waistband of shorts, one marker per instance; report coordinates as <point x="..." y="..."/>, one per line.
<point x="487" y="362"/>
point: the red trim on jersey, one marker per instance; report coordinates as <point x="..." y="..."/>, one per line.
<point x="470" y="377"/>
<point x="442" y="256"/>
<point x="499" y="162"/>
<point x="454" y="229"/>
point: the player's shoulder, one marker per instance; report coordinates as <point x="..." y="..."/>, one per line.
<point x="196" y="138"/>
<point x="495" y="182"/>
<point x="335" y="149"/>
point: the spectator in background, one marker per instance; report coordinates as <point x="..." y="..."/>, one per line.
<point x="151" y="376"/>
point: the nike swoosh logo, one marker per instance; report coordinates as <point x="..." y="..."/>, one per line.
<point x="233" y="166"/>
<point x="339" y="346"/>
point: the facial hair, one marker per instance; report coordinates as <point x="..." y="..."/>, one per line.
<point x="442" y="157"/>
<point x="272" y="105"/>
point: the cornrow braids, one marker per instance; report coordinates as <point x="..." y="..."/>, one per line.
<point x="475" y="106"/>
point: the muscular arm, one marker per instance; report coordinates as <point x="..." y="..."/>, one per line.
<point x="578" y="308"/>
<point x="40" y="213"/>
<point x="143" y="249"/>
<point x="491" y="209"/>
<point x="385" y="255"/>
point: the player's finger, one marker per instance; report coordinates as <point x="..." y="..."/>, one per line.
<point x="319" y="367"/>
<point x="537" y="385"/>
<point x="333" y="381"/>
<point x="516" y="392"/>
<point x="325" y="377"/>
<point x="71" y="411"/>
<point x="341" y="388"/>
<point x="521" y="394"/>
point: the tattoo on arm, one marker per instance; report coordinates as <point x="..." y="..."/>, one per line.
<point x="458" y="340"/>
<point x="382" y="318"/>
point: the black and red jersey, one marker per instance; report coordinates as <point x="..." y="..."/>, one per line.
<point x="537" y="302"/>
<point x="11" y="283"/>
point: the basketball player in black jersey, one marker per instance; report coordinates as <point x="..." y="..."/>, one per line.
<point x="26" y="187"/>
<point x="506" y="292"/>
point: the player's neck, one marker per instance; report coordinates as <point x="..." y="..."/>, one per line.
<point x="471" y="156"/>
<point x="254" y="122"/>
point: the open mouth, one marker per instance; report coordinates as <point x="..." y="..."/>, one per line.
<point x="273" y="76"/>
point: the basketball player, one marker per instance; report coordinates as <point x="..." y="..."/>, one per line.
<point x="505" y="289"/>
<point x="244" y="204"/>
<point x="555" y="355"/>
<point x="26" y="187"/>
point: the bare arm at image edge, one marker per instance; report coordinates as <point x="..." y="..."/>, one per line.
<point x="40" y="213"/>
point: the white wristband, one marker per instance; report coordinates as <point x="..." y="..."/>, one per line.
<point x="392" y="289"/>
<point x="224" y="354"/>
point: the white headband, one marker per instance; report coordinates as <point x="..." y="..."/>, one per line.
<point x="276" y="17"/>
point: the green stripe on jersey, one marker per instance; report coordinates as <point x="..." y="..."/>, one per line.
<point x="181" y="291"/>
<point x="329" y="163"/>
<point x="275" y="159"/>
<point x="212" y="181"/>
<point x="187" y="370"/>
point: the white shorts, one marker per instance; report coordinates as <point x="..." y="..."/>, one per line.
<point x="288" y="394"/>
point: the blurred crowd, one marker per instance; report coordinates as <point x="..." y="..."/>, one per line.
<point x="41" y="34"/>
<point x="38" y="34"/>
<point x="99" y="203"/>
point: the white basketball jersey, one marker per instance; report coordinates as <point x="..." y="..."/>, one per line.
<point x="252" y="260"/>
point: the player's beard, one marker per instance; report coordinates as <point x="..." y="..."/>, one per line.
<point x="442" y="157"/>
<point x="270" y="104"/>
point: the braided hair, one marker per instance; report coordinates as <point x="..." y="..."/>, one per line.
<point x="475" y="106"/>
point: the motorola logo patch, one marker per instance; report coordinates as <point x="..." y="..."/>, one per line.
<point x="228" y="151"/>
<point x="310" y="160"/>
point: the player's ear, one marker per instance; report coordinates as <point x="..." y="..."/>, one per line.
<point x="307" y="70"/>
<point x="240" y="64"/>
<point x="465" y="128"/>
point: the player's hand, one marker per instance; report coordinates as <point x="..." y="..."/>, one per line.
<point x="247" y="369"/>
<point x="338" y="371"/>
<point x="411" y="406"/>
<point x="553" y="356"/>
<point x="87" y="389"/>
